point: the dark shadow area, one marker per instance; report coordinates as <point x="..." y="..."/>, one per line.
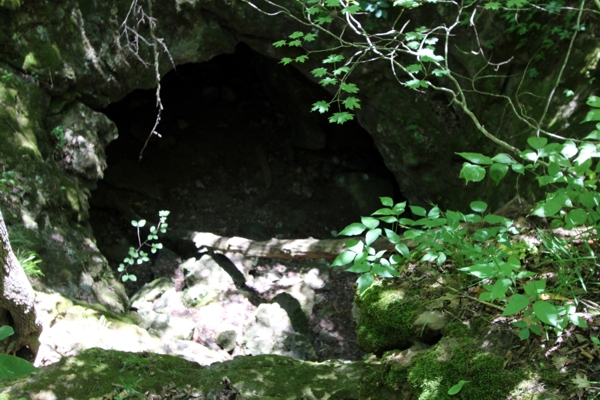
<point x="240" y="154"/>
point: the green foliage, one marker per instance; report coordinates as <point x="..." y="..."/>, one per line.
<point x="22" y="240"/>
<point x="7" y="179"/>
<point x="567" y="170"/>
<point x="30" y="261"/>
<point x="136" y="255"/>
<point x="58" y="133"/>
<point x="11" y="366"/>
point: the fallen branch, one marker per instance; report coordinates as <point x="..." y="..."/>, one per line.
<point x="279" y="248"/>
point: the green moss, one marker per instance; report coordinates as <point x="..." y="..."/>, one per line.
<point x="431" y="374"/>
<point x="456" y="329"/>
<point x="386" y="319"/>
<point x="10" y="4"/>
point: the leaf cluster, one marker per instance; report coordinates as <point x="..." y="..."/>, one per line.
<point x="137" y="255"/>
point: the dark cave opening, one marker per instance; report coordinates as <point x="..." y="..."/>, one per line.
<point x="240" y="155"/>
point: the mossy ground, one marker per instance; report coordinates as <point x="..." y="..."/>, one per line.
<point x="386" y="318"/>
<point x="430" y="373"/>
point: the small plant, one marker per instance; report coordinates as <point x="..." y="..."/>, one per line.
<point x="6" y="76"/>
<point x="457" y="388"/>
<point x="7" y="179"/>
<point x="136" y="255"/>
<point x="11" y="366"/>
<point x="59" y="134"/>
<point x="29" y="260"/>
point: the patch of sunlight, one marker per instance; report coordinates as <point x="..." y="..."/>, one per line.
<point x="565" y="111"/>
<point x="431" y="389"/>
<point x="391" y="296"/>
<point x="591" y="61"/>
<point x="28" y="220"/>
<point x="71" y="361"/>
<point x="529" y="389"/>
<point x="29" y="62"/>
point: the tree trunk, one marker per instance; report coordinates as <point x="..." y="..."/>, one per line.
<point x="17" y="301"/>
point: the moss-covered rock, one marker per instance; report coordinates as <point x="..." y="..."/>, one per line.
<point x="428" y="374"/>
<point x="97" y="373"/>
<point x="386" y="318"/>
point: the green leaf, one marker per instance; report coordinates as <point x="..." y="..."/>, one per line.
<point x="518" y="168"/>
<point x="301" y="59"/>
<point x="570" y="149"/>
<point x="472" y="172"/>
<point x="537" y="142"/>
<point x="364" y="282"/>
<point x="285" y="60"/>
<point x="6" y="331"/>
<point x="524" y="334"/>
<point x="279" y="43"/>
<point x="417" y="83"/>
<point x="497" y="172"/>
<point x="341" y="70"/>
<point x="351" y="10"/>
<point x="11" y="366"/>
<point x="403" y="249"/>
<point x="547" y="208"/>
<point x="456" y="388"/>
<point x="296" y="35"/>
<point x="520" y="324"/>
<point x="535" y="288"/>
<point x="349" y="87"/>
<point x="516" y="304"/>
<point x="420" y="211"/>
<point x="333" y="58"/>
<point x="476" y="158"/>
<point x="309" y="37"/>
<point x="345" y="258"/>
<point x="132" y="278"/>
<point x="413" y="68"/>
<point x="351" y="103"/>
<point x="372" y="235"/>
<point x="392" y="236"/>
<point x="517" y="3"/>
<point x="481" y="271"/>
<point x="385" y="271"/>
<point x="353" y="229"/>
<point x="593" y="101"/>
<point x="360" y="268"/>
<point x="324" y="20"/>
<point x="356" y="246"/>
<point x="503" y="158"/>
<point x="496" y="219"/>
<point x="341" y="117"/>
<point x="295" y="43"/>
<point x="426" y="54"/>
<point x="440" y="72"/>
<point x="319" y="72"/>
<point x="399" y="208"/>
<point x="387" y="201"/>
<point x="592" y="115"/>
<point x="370" y="222"/>
<point x="576" y="217"/>
<point x="328" y="81"/>
<point x="383" y="211"/>
<point x="546" y="312"/>
<point x="320" y="106"/>
<point x="492" y="6"/>
<point x="478" y="206"/>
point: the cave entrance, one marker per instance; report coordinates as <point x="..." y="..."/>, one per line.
<point x="240" y="155"/>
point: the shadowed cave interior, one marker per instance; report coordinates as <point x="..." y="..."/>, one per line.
<point x="240" y="155"/>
